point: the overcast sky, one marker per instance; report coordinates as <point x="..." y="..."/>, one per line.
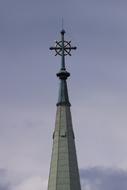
<point x="29" y="90"/>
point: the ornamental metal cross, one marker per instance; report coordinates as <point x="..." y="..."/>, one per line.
<point x="63" y="48"/>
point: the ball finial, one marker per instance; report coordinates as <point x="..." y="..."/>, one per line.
<point x="62" y="31"/>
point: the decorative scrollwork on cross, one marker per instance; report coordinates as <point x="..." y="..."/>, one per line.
<point x="63" y="47"/>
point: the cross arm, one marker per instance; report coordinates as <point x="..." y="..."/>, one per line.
<point x="55" y="48"/>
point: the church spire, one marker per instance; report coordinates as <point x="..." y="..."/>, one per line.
<point x="64" y="173"/>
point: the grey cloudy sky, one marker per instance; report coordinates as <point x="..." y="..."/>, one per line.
<point x="29" y="90"/>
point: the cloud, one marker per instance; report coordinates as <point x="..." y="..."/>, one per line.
<point x="98" y="178"/>
<point x="32" y="183"/>
<point x="4" y="182"/>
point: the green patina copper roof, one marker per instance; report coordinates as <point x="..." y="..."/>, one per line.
<point x="64" y="173"/>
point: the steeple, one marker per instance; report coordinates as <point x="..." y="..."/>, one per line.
<point x="64" y="173"/>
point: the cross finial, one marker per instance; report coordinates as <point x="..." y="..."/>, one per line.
<point x="63" y="48"/>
